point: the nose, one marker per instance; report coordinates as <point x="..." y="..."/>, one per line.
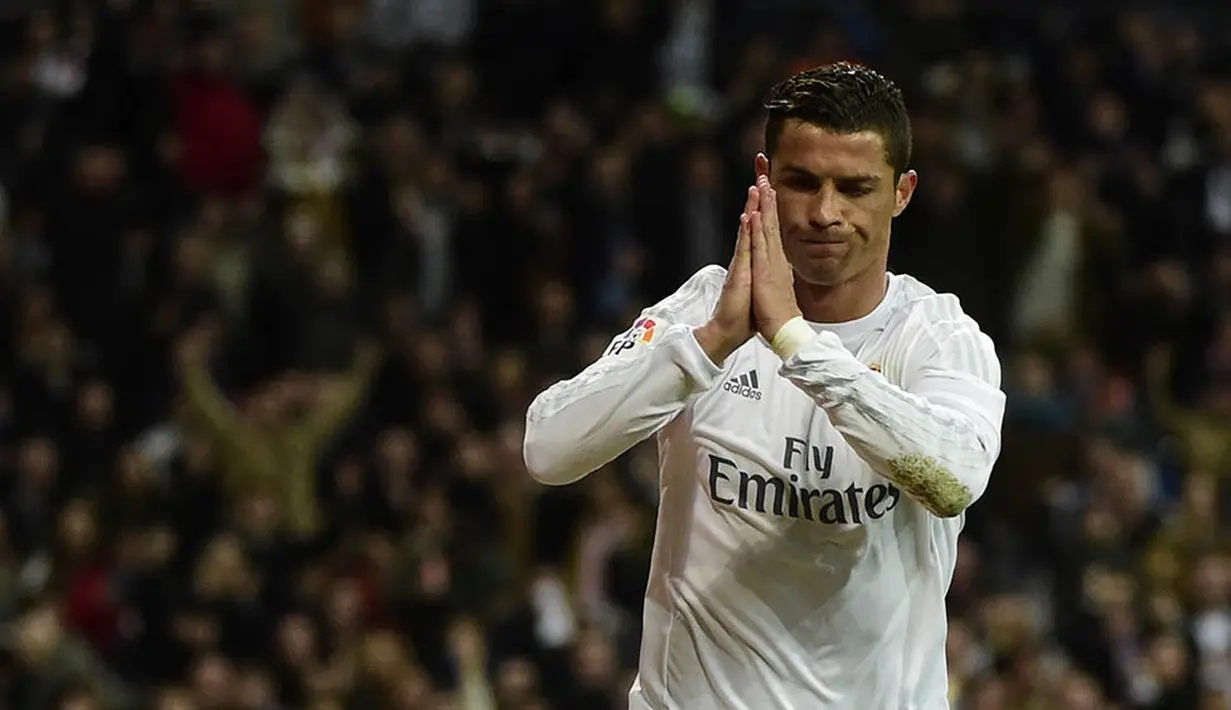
<point x="826" y="209"/>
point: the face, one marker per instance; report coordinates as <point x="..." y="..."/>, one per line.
<point x="78" y="529"/>
<point x="254" y="691"/>
<point x="836" y="200"/>
<point x="297" y="640"/>
<point x="212" y="680"/>
<point x="1081" y="694"/>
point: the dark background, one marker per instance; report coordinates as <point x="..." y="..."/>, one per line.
<point x="281" y="276"/>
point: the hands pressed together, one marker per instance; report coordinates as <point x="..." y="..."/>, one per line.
<point x="759" y="293"/>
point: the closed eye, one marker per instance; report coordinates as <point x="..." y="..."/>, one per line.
<point x="807" y="182"/>
<point x="857" y="188"/>
<point x="801" y="182"/>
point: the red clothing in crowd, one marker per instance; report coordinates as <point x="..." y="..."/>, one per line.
<point x="219" y="133"/>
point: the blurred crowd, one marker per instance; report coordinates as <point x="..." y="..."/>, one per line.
<point x="279" y="278"/>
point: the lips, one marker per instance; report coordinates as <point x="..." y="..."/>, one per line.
<point x="824" y="247"/>
<point x="825" y="236"/>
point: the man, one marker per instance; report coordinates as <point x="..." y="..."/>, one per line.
<point x="272" y="448"/>
<point x="813" y="479"/>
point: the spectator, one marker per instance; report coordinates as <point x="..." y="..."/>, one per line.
<point x="215" y="216"/>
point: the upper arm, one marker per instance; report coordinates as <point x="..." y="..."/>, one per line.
<point x="954" y="365"/>
<point x="960" y="369"/>
<point x="691" y="305"/>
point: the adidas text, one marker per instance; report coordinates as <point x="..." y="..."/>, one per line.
<point x="745" y="386"/>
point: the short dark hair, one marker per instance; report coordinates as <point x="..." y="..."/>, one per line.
<point x="843" y="98"/>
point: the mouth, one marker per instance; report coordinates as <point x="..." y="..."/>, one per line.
<point x="824" y="247"/>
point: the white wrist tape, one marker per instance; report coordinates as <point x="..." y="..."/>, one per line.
<point x="792" y="337"/>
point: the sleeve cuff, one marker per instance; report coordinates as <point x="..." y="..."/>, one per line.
<point x="692" y="359"/>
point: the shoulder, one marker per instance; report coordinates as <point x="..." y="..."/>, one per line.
<point x="690" y="305"/>
<point x="694" y="301"/>
<point x="938" y="333"/>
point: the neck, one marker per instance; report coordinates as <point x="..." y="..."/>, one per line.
<point x="847" y="301"/>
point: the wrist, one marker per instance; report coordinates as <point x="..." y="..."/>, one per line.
<point x="716" y="346"/>
<point x="770" y="323"/>
<point x="791" y="337"/>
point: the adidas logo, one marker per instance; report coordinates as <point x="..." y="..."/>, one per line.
<point x="745" y="385"/>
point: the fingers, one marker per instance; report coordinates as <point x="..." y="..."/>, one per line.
<point x="742" y="247"/>
<point x="768" y="199"/>
<point x="743" y="244"/>
<point x="769" y="207"/>
<point x="769" y="216"/>
<point x="761" y="164"/>
<point x="760" y="248"/>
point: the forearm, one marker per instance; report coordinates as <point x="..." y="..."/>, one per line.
<point x="207" y="402"/>
<point x="580" y="424"/>
<point x="342" y="403"/>
<point x="474" y="691"/>
<point x="938" y="454"/>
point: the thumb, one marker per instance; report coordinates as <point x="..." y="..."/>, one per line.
<point x="743" y="244"/>
<point x="756" y="238"/>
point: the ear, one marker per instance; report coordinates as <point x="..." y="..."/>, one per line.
<point x="761" y="165"/>
<point x="905" y="190"/>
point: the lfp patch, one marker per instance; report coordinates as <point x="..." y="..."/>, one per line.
<point x="641" y="333"/>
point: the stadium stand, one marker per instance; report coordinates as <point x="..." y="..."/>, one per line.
<point x="281" y="276"/>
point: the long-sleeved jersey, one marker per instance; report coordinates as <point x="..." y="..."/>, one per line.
<point x="809" y="509"/>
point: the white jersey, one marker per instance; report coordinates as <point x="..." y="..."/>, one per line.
<point x="797" y="563"/>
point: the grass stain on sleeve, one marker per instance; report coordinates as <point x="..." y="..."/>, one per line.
<point x="928" y="481"/>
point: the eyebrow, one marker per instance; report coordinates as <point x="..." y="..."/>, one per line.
<point x="859" y="178"/>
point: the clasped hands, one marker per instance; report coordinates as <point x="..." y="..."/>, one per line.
<point x="759" y="293"/>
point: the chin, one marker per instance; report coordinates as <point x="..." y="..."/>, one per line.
<point x="820" y="272"/>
